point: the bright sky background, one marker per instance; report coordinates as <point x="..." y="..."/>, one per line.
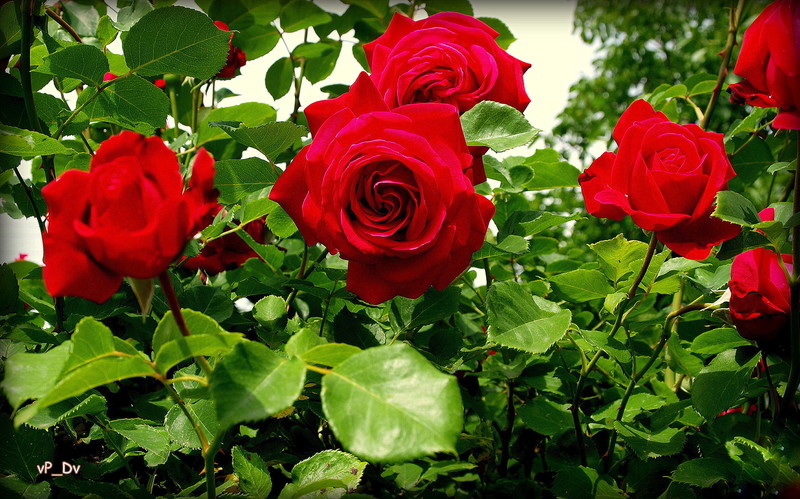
<point x="544" y="38"/>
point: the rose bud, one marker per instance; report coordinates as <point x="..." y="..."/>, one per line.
<point x="665" y="176"/>
<point x="386" y="189"/>
<point x="760" y="298"/>
<point x="129" y="215"/>
<point x="110" y="76"/>
<point x="236" y="56"/>
<point x="229" y="251"/>
<point x="160" y="83"/>
<point x="769" y="62"/>
<point x="447" y="57"/>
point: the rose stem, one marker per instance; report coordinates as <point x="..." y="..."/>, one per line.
<point x="174" y="306"/>
<point x="208" y="456"/>
<point x="64" y="24"/>
<point x="665" y="334"/>
<point x="794" y="318"/>
<point x="587" y="369"/>
<point x="733" y="27"/>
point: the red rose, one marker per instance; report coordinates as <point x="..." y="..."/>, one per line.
<point x="447" y="57"/>
<point x="236" y="56"/>
<point x="127" y="216"/>
<point x="229" y="251"/>
<point x="769" y="62"/>
<point x="386" y="189"/>
<point x="760" y="298"/>
<point x="665" y="176"/>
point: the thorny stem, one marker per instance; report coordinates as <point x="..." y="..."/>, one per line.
<point x="587" y="369"/>
<point x="208" y="455"/>
<point x="303" y="273"/>
<point x="174" y="306"/>
<point x="665" y="334"/>
<point x="733" y="27"/>
<point x="204" y="445"/>
<point x="575" y="408"/>
<point x="64" y="24"/>
<point x="505" y="435"/>
<point x="794" y="317"/>
<point x="29" y="195"/>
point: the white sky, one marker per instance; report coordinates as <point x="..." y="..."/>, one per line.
<point x="544" y="38"/>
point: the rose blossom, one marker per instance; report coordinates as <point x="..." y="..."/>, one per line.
<point x="665" y="176"/>
<point x="386" y="189"/>
<point x="760" y="298"/>
<point x="769" y="62"/>
<point x="447" y="57"/>
<point x="236" y="56"/>
<point x="129" y="215"/>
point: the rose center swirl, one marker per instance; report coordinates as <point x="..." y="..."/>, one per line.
<point x="384" y="199"/>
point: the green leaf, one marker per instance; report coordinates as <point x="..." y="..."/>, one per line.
<point x="83" y="62"/>
<point x="11" y="486"/>
<point x="330" y="473"/>
<point x="735" y="208"/>
<point x="23" y="449"/>
<point x="248" y="113"/>
<point x="646" y="445"/>
<point x="704" y="472"/>
<point x="518" y="321"/>
<point x="720" y="384"/>
<point x="160" y="43"/>
<point x="329" y="354"/>
<point x="253" y="382"/>
<point x="279" y="77"/>
<point x="151" y="438"/>
<point x="717" y="341"/>
<point x="305" y="339"/>
<point x="377" y="8"/>
<point x="68" y="409"/>
<point x="617" y="255"/>
<point x="270" y="311"/>
<point x="235" y="178"/>
<point x="130" y="14"/>
<point x="250" y="469"/>
<point x="197" y="323"/>
<point x="132" y="102"/>
<point x="28" y="144"/>
<point x="10" y="32"/>
<point x="580" y="481"/>
<point x="302" y="14"/>
<point x="270" y="139"/>
<point x="280" y="223"/>
<point x="498" y="126"/>
<point x="505" y="37"/>
<point x="319" y="68"/>
<point x="550" y="172"/>
<point x="582" y="285"/>
<point x="180" y="429"/>
<point x="462" y="6"/>
<point x="390" y="404"/>
<point x="545" y="416"/>
<point x="33" y="375"/>
<point x="433" y="306"/>
<point x="180" y="349"/>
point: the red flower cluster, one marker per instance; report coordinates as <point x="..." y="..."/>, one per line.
<point x="665" y="176"/>
<point x="236" y="56"/>
<point x="129" y="215"/>
<point x="769" y="62"/>
<point x="388" y="179"/>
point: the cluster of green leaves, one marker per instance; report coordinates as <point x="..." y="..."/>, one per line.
<point x="549" y="368"/>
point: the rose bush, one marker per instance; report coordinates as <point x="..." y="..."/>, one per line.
<point x="386" y="189"/>
<point x="760" y="297"/>
<point x="447" y="57"/>
<point x="129" y="215"/>
<point x="769" y="62"/>
<point x="665" y="176"/>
